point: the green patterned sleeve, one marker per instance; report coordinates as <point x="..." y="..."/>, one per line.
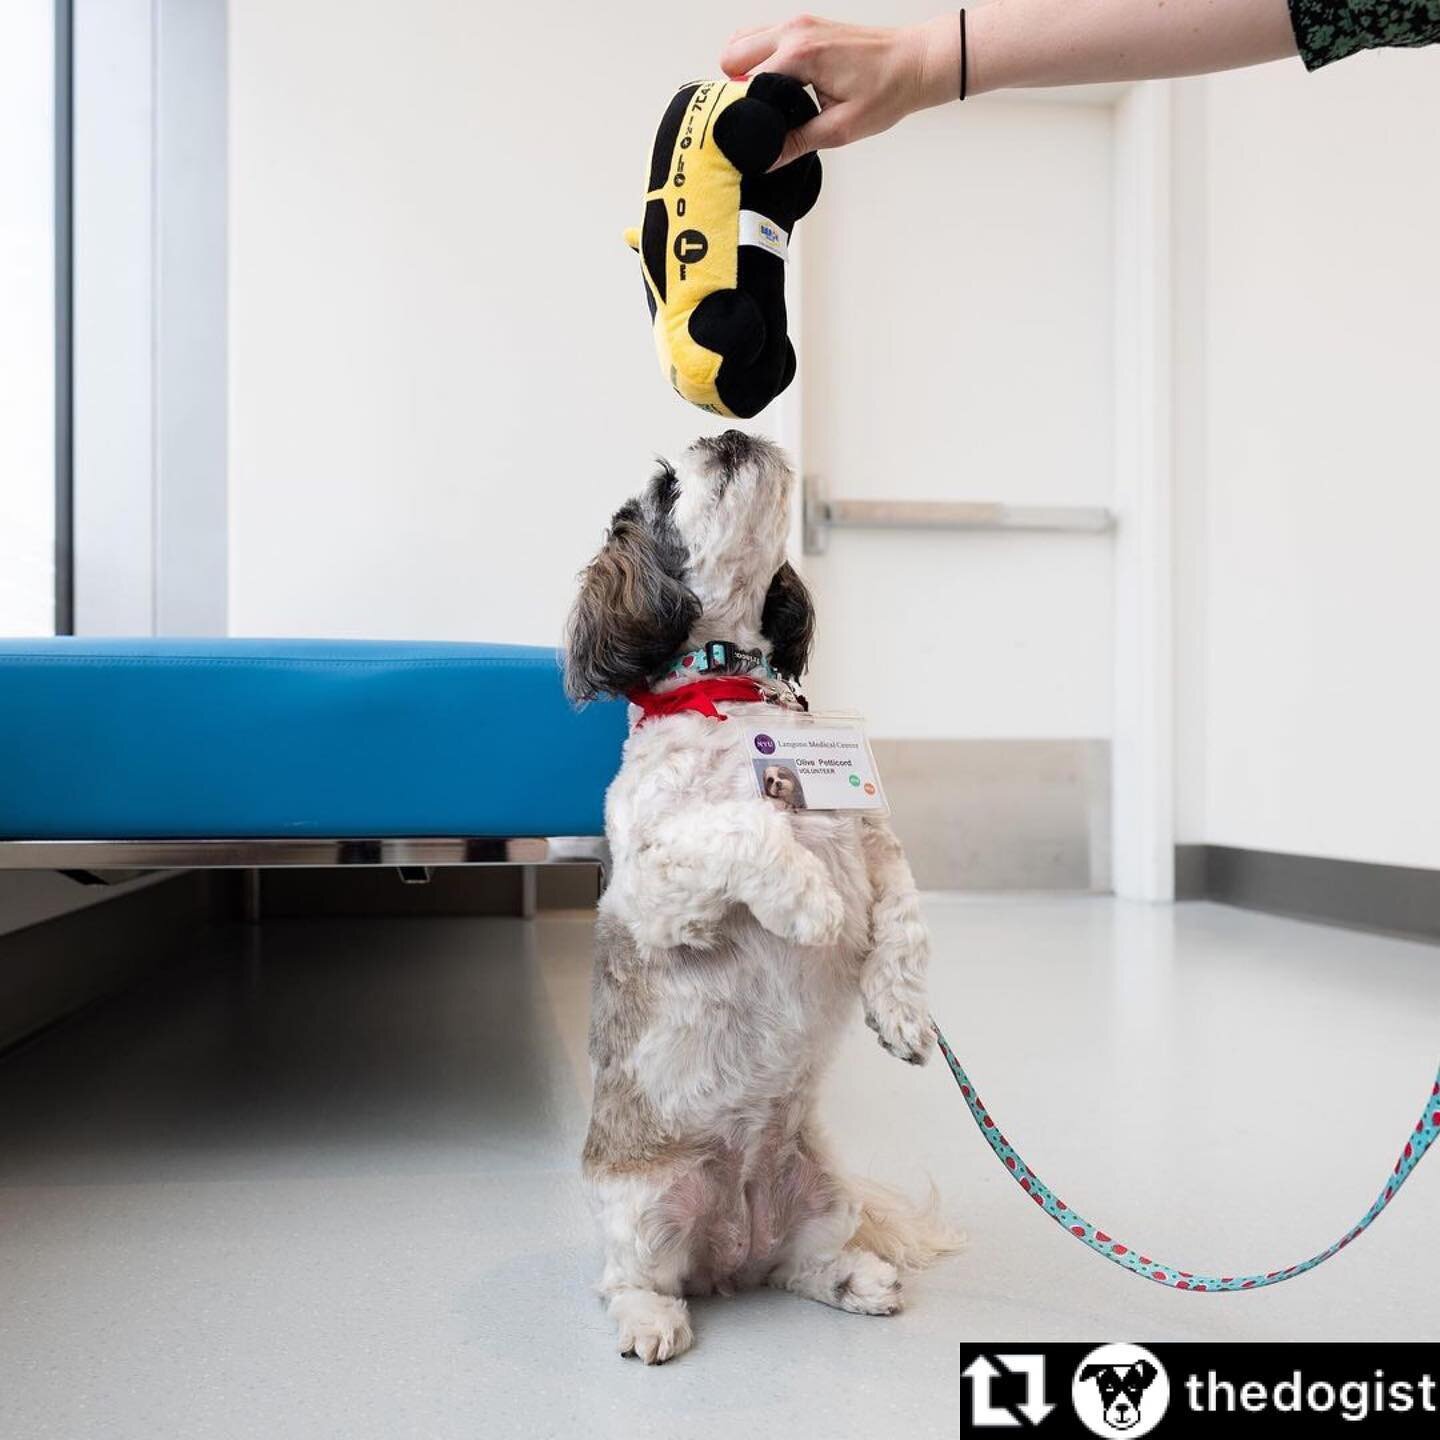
<point x="1327" y="30"/>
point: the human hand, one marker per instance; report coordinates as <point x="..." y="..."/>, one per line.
<point x="866" y="78"/>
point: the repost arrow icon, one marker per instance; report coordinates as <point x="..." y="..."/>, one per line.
<point x="982" y="1411"/>
<point x="1032" y="1367"/>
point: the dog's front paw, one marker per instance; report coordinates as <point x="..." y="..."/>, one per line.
<point x="903" y="1028"/>
<point x="802" y="906"/>
<point x="654" y="1328"/>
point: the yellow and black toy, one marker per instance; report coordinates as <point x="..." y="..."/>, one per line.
<point x="715" y="237"/>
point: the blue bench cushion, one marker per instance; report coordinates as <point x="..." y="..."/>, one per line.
<point x="150" y="739"/>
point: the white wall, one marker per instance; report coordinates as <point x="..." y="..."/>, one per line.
<point x="442" y="378"/>
<point x="27" y="319"/>
<point x="1309" y="631"/>
<point x="442" y="381"/>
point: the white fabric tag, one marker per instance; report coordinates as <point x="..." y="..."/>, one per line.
<point x="758" y="230"/>
<point x="807" y="766"/>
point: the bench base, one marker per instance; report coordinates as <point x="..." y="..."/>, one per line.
<point x="246" y="854"/>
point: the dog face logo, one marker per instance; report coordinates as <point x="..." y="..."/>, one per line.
<point x="1120" y="1390"/>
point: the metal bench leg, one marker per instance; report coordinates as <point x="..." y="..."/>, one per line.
<point x="250" y="898"/>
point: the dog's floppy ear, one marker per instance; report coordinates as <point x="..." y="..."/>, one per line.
<point x="632" y="613"/>
<point x="1090" y="1372"/>
<point x="1147" y="1372"/>
<point x="788" y="622"/>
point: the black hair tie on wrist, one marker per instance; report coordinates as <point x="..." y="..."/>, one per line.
<point x="964" y="59"/>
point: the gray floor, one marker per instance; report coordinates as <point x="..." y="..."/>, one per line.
<point x="326" y="1186"/>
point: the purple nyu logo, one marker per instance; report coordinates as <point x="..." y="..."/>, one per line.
<point x="764" y="744"/>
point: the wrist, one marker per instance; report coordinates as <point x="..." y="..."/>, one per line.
<point x="996" y="49"/>
<point x="937" y="43"/>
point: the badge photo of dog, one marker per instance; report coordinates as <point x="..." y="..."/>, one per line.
<point x="781" y="783"/>
<point x="735" y="938"/>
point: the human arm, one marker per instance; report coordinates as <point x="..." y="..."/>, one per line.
<point x="868" y="78"/>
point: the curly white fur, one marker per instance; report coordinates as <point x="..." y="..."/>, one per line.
<point x="734" y="941"/>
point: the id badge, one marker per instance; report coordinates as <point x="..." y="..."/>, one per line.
<point x="815" y="762"/>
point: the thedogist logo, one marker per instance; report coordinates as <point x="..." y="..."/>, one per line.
<point x="1311" y="1389"/>
<point x="1120" y="1390"/>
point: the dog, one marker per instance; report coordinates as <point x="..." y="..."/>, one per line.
<point x="783" y="784"/>
<point x="1122" y="1387"/>
<point x="734" y="938"/>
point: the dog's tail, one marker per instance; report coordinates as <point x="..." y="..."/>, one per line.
<point x="908" y="1234"/>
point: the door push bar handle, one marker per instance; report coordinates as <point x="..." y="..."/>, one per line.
<point x="823" y="515"/>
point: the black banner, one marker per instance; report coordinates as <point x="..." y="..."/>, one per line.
<point x="1133" y="1390"/>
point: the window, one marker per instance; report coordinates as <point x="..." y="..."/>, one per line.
<point x="112" y="317"/>
<point x="32" y="34"/>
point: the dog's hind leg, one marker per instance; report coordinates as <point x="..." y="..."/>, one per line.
<point x="892" y="981"/>
<point x="818" y="1257"/>
<point x="818" y="1263"/>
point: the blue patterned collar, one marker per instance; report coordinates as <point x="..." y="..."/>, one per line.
<point x="719" y="657"/>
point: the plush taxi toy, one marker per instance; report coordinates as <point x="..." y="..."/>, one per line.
<point x="714" y="240"/>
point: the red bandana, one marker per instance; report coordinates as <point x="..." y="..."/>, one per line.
<point x="699" y="696"/>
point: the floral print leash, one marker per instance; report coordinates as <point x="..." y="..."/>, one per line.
<point x="1115" y="1251"/>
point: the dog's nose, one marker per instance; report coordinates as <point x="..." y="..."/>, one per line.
<point x="731" y="446"/>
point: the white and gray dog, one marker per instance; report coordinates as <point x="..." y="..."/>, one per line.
<point x="734" y="938"/>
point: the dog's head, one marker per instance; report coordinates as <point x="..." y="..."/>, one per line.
<point x="698" y="555"/>
<point x="780" y="783"/>
<point x="1122" y="1387"/>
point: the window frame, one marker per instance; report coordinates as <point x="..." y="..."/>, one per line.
<point x="64" y="301"/>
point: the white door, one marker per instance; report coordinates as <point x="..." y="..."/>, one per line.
<point x="958" y="322"/>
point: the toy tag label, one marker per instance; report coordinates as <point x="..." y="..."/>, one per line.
<point x="758" y="230"/>
<point x="808" y="766"/>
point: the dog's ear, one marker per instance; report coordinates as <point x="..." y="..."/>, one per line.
<point x="1147" y="1372"/>
<point x="633" y="612"/>
<point x="1089" y="1373"/>
<point x="787" y="621"/>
